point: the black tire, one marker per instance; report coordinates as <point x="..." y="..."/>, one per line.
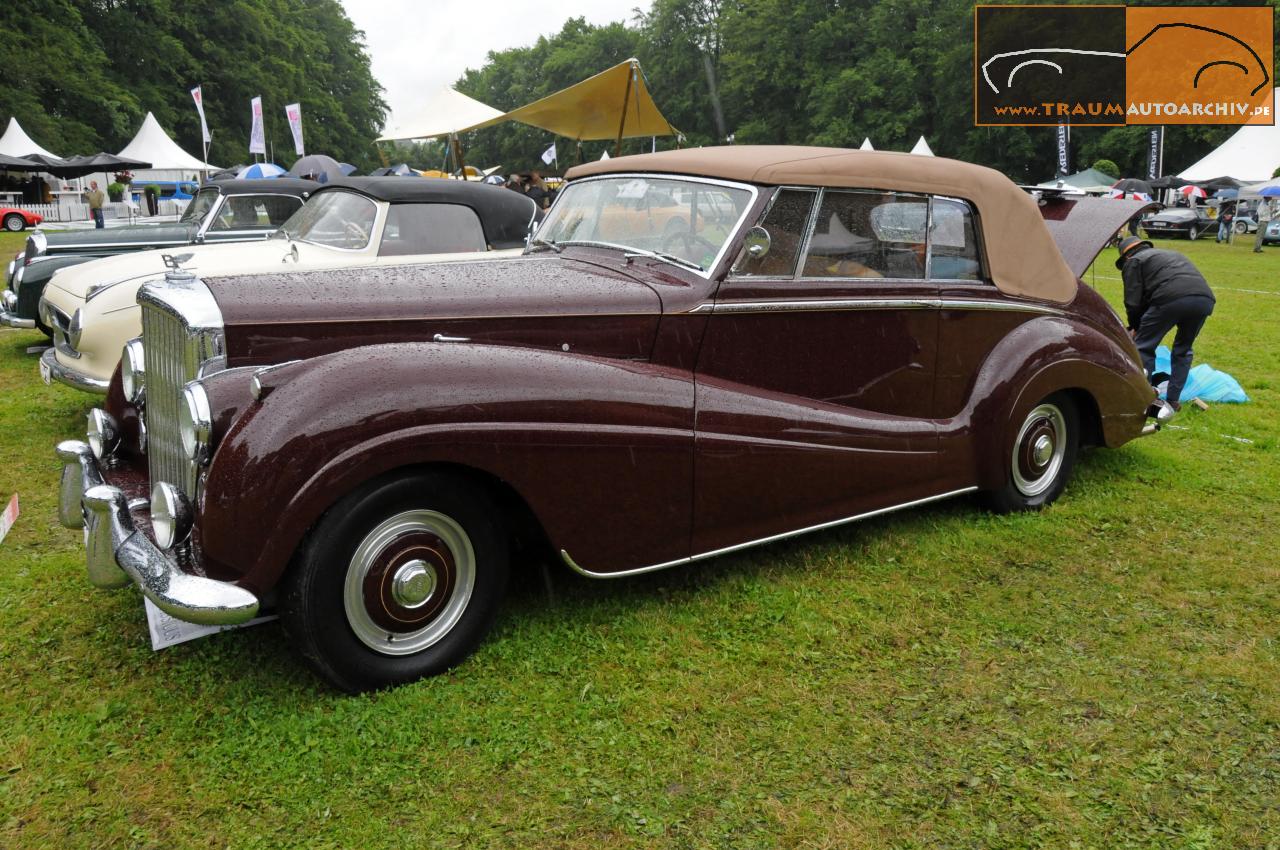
<point x="14" y="223"/>
<point x="343" y="601"/>
<point x="1193" y="232"/>
<point x="1033" y="480"/>
<point x="1241" y="227"/>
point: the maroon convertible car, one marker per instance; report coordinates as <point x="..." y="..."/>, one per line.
<point x="700" y="350"/>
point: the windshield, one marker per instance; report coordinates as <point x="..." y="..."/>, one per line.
<point x="200" y="204"/>
<point x="683" y="218"/>
<point x="335" y="219"/>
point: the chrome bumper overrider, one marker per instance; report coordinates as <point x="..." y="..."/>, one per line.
<point x="117" y="553"/>
<point x="9" y="318"/>
<point x="50" y="366"/>
<point x="1158" y="413"/>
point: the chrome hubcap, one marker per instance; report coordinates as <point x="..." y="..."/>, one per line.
<point x="1042" y="450"/>
<point x="413" y="584"/>
<point x="1039" y="450"/>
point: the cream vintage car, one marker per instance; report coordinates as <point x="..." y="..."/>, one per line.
<point x="366" y="221"/>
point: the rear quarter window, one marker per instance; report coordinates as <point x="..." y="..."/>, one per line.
<point x="431" y="229"/>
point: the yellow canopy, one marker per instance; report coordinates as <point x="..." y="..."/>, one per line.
<point x="611" y="105"/>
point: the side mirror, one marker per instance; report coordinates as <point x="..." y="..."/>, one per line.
<point x="757" y="242"/>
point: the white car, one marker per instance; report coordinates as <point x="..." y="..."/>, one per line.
<point x="364" y="221"/>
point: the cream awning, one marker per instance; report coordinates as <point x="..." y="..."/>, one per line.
<point x="444" y="113"/>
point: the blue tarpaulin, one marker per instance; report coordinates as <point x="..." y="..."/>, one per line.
<point x="1205" y="382"/>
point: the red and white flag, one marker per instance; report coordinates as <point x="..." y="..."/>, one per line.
<point x="294" y="113"/>
<point x="204" y="126"/>
<point x="257" y="136"/>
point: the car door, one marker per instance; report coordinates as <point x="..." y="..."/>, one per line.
<point x="815" y="377"/>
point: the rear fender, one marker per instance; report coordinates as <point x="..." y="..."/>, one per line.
<point x="600" y="450"/>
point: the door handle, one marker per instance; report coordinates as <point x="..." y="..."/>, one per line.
<point x="444" y="338"/>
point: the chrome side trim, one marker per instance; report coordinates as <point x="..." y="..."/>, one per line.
<point x="799" y="305"/>
<point x="763" y="540"/>
<point x="75" y="246"/>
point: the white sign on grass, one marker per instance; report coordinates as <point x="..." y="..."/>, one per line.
<point x="167" y="631"/>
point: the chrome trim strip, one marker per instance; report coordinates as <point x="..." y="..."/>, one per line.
<point x="70" y="377"/>
<point x="95" y="245"/>
<point x="763" y="540"/>
<point x="800" y="305"/>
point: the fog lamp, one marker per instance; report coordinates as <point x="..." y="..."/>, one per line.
<point x="133" y="371"/>
<point x="171" y="516"/>
<point x="103" y="434"/>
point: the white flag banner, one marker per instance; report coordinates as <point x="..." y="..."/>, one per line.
<point x="294" y="113"/>
<point x="549" y="155"/>
<point x="204" y="126"/>
<point x="257" y="136"/>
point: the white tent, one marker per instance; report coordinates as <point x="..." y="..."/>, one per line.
<point x="1251" y="154"/>
<point x="866" y="144"/>
<point x="16" y="142"/>
<point x="445" y="112"/>
<point x="152" y="144"/>
<point x="922" y="148"/>
<point x="1256" y="189"/>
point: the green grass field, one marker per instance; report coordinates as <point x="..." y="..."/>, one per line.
<point x="1104" y="674"/>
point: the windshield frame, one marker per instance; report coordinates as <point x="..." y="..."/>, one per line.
<point x="375" y="227"/>
<point x="707" y="273"/>
<point x="217" y="202"/>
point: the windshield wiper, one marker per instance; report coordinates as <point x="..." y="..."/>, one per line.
<point x="545" y="243"/>
<point x="661" y="255"/>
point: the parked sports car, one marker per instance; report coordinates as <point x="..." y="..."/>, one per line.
<point x="1179" y="223"/>
<point x="14" y="219"/>
<point x="362" y="221"/>
<point x="365" y="450"/>
<point x="1272" y="236"/>
<point x="226" y="211"/>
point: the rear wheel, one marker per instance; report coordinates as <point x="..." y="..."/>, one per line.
<point x="1041" y="457"/>
<point x="14" y="222"/>
<point x="398" y="581"/>
<point x="1193" y="232"/>
<point x="1241" y="227"/>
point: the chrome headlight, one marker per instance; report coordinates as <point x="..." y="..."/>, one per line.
<point x="9" y="271"/>
<point x="17" y="276"/>
<point x="38" y="244"/>
<point x="132" y="371"/>
<point x="195" y="423"/>
<point x="76" y="328"/>
<point x="103" y="434"/>
<point x="171" y="516"/>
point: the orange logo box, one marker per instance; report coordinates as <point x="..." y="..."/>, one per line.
<point x="1199" y="65"/>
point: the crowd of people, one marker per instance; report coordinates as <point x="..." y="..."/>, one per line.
<point x="533" y="186"/>
<point x="1232" y="211"/>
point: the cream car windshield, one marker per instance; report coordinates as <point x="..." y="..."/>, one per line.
<point x="681" y="219"/>
<point x="336" y="219"/>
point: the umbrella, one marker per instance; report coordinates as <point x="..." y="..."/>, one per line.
<point x="1170" y="181"/>
<point x="1193" y="192"/>
<point x="1122" y="195"/>
<point x="227" y="173"/>
<point x="14" y="163"/>
<point x="1222" y="194"/>
<point x="317" y="167"/>
<point x="401" y="170"/>
<point x="1270" y="192"/>
<point x="259" y="170"/>
<point x="1133" y="184"/>
<point x="347" y="169"/>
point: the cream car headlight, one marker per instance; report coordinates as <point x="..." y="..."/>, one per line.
<point x="171" y="516"/>
<point x="133" y="375"/>
<point x="195" y="423"/>
<point x="103" y="434"/>
<point x="76" y="329"/>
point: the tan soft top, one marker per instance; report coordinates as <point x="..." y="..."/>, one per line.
<point x="1023" y="258"/>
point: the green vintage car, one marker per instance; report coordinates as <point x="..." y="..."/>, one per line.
<point x="222" y="211"/>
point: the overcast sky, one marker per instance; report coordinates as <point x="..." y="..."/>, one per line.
<point x="417" y="47"/>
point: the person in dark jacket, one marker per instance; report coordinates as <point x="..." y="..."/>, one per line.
<point x="1163" y="290"/>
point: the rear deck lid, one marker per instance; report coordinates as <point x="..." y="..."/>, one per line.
<point x="1083" y="226"/>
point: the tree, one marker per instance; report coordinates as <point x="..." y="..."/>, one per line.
<point x="1107" y="167"/>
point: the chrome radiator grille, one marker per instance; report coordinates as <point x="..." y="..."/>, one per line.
<point x="179" y="333"/>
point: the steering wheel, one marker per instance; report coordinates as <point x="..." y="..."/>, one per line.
<point x="355" y="233"/>
<point x="689" y="241"/>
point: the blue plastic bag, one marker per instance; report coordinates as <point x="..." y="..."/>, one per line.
<point x="1204" y="382"/>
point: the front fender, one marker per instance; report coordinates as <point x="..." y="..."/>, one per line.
<point x="582" y="440"/>
<point x="34" y="279"/>
<point x="1041" y="357"/>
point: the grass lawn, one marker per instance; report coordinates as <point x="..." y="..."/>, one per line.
<point x="1105" y="674"/>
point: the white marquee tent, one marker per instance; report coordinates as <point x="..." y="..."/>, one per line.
<point x="866" y="144"/>
<point x="152" y="144"/>
<point x="16" y="142"/>
<point x="1251" y="154"/>
<point x="922" y="148"/>
<point x="445" y="112"/>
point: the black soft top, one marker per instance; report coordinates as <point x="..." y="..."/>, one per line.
<point x="504" y="214"/>
<point x="268" y="185"/>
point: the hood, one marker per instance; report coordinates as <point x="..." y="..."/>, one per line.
<point x="140" y="235"/>
<point x="544" y="301"/>
<point x="110" y="272"/>
<point x="1082" y="227"/>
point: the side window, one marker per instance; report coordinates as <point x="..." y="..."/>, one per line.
<point x="785" y="222"/>
<point x="278" y="208"/>
<point x="430" y="229"/>
<point x="249" y="212"/>
<point x="868" y="234"/>
<point x="953" y="242"/>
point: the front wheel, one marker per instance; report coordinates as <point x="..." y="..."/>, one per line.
<point x="14" y="222"/>
<point x="1241" y="227"/>
<point x="1193" y="232"/>
<point x="398" y="581"/>
<point x="1041" y="458"/>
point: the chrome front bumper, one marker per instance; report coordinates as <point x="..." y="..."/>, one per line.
<point x="52" y="370"/>
<point x="116" y="552"/>
<point x="9" y="318"/>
